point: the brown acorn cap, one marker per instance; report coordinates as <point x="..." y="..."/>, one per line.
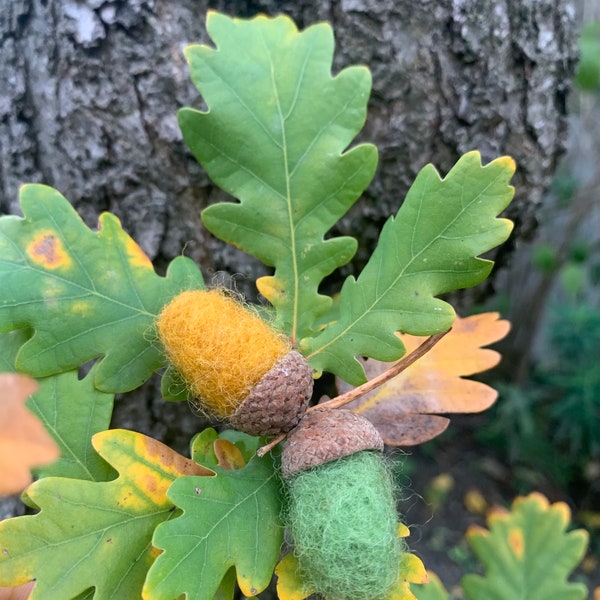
<point x="325" y="435"/>
<point x="279" y="400"/>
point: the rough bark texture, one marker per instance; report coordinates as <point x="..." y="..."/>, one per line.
<point x="90" y="91"/>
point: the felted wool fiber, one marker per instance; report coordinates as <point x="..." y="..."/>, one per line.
<point x="219" y="347"/>
<point x="342" y="517"/>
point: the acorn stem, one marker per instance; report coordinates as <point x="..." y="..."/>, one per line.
<point x="267" y="447"/>
<point x="359" y="391"/>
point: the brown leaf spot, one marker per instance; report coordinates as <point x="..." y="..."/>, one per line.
<point x="153" y="485"/>
<point x="47" y="250"/>
<point x="228" y="455"/>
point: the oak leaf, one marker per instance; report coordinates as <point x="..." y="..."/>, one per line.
<point x="276" y="138"/>
<point x="71" y="410"/>
<point x="229" y="524"/>
<point x="406" y="409"/>
<point x="528" y="552"/>
<point x="85" y="294"/>
<point x="430" y="247"/>
<point x="95" y="535"/>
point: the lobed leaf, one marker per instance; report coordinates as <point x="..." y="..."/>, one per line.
<point x="527" y="553"/>
<point x="95" y="534"/>
<point x="228" y="521"/>
<point x="207" y="444"/>
<point x="85" y="294"/>
<point x="412" y="570"/>
<point x="275" y="137"/>
<point x="406" y="408"/>
<point x="72" y="411"/>
<point x="429" y="248"/>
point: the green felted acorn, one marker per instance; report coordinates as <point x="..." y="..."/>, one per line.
<point x="341" y="507"/>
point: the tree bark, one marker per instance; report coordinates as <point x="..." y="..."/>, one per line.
<point x="90" y="91"/>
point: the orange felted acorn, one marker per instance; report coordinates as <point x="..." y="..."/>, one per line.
<point x="236" y="365"/>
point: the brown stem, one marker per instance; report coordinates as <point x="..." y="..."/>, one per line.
<point x="370" y="385"/>
<point x="394" y="370"/>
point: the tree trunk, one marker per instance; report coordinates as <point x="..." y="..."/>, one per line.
<point x="90" y="91"/>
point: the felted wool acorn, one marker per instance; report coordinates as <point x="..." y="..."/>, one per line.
<point x="235" y="364"/>
<point x="341" y="507"/>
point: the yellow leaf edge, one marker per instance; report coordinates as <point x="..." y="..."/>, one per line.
<point x="291" y="586"/>
<point x="499" y="514"/>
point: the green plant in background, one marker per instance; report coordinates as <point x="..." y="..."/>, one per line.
<point x="527" y="553"/>
<point x="573" y="378"/>
<point x="588" y="70"/>
<point x="547" y="419"/>
<point x="121" y="515"/>
<point x="547" y="426"/>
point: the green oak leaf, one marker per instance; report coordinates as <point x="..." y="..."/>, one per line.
<point x="275" y="137"/>
<point x="227" y="588"/>
<point x="527" y="553"/>
<point x="9" y="347"/>
<point x="86" y="294"/>
<point x="202" y="447"/>
<point x="172" y="387"/>
<point x="429" y="248"/>
<point x="72" y="410"/>
<point x="231" y="520"/>
<point x="95" y="534"/>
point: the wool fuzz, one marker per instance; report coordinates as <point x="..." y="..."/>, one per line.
<point x="220" y="348"/>
<point x="342" y="517"/>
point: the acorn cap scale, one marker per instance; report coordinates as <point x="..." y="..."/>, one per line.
<point x="279" y="400"/>
<point x="325" y="435"/>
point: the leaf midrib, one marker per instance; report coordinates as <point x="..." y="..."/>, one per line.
<point x="288" y="195"/>
<point x="203" y="539"/>
<point x="92" y="291"/>
<point x="401" y="274"/>
<point x="50" y="426"/>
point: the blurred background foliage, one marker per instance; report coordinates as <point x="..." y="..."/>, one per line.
<point x="548" y="413"/>
<point x="546" y="422"/>
<point x="543" y="433"/>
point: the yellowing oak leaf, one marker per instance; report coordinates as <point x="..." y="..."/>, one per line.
<point x="412" y="570"/>
<point x="406" y="408"/>
<point x="24" y="443"/>
<point x="528" y="552"/>
<point x="95" y="535"/>
<point x="290" y="585"/>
